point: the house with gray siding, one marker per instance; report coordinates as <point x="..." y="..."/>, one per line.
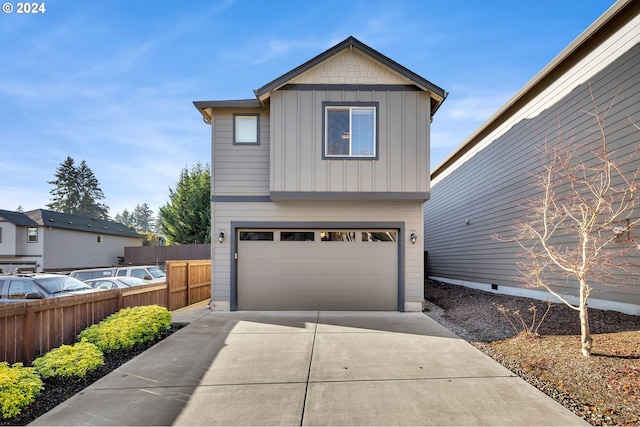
<point x="44" y="240"/>
<point x="318" y="185"/>
<point x="480" y="189"/>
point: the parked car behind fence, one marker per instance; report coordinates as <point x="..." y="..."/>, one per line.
<point x="151" y="273"/>
<point x="21" y="287"/>
<point x="115" y="282"/>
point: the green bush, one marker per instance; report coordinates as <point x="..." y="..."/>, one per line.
<point x="19" y="386"/>
<point x="128" y="327"/>
<point x="69" y="361"/>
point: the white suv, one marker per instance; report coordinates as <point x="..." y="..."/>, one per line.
<point x="147" y="272"/>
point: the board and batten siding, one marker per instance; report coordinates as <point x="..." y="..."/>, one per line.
<point x="483" y="194"/>
<point x="242" y="169"/>
<point x="331" y="211"/>
<point x="297" y="163"/>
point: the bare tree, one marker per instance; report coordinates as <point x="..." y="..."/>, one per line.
<point x="574" y="230"/>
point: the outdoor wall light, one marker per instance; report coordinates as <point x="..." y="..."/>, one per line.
<point x="221" y="237"/>
<point x="413" y="238"/>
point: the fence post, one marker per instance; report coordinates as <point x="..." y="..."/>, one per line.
<point x="168" y="272"/>
<point x="189" y="283"/>
<point x="29" y="335"/>
<point x="119" y="300"/>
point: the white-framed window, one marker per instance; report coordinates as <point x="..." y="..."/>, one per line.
<point x="246" y="129"/>
<point x="99" y="238"/>
<point x="350" y="130"/>
<point x="32" y="235"/>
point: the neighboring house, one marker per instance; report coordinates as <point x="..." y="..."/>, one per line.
<point x="479" y="189"/>
<point x="51" y="241"/>
<point x="318" y="186"/>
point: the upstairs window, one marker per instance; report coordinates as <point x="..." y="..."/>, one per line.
<point x="350" y="130"/>
<point x="32" y="235"/>
<point x="246" y="129"/>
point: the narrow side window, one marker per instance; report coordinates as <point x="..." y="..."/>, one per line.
<point x="246" y="129"/>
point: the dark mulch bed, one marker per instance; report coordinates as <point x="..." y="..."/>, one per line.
<point x="57" y="391"/>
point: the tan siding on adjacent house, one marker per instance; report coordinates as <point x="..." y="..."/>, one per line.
<point x="490" y="186"/>
<point x="68" y="249"/>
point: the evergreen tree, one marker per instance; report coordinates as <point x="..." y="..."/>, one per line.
<point x="187" y="217"/>
<point x="77" y="191"/>
<point x="125" y="218"/>
<point x="143" y="216"/>
<point x="66" y="195"/>
<point x="90" y="194"/>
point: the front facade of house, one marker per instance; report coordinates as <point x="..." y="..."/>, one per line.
<point x="44" y="240"/>
<point x="318" y="186"/>
<point x="478" y="192"/>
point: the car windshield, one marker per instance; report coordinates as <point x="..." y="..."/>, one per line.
<point x="55" y="285"/>
<point x="132" y="281"/>
<point x="157" y="272"/>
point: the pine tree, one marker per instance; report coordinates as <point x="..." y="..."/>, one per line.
<point x="186" y="218"/>
<point x="77" y="191"/>
<point x="90" y="194"/>
<point x="66" y="195"/>
<point x="143" y="216"/>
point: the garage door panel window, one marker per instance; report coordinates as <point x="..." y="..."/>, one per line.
<point x="338" y="236"/>
<point x="257" y="235"/>
<point x="297" y="236"/>
<point x="379" y="236"/>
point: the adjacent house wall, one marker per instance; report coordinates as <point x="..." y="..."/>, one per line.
<point x="8" y="243"/>
<point x="480" y="194"/>
<point x="68" y="249"/>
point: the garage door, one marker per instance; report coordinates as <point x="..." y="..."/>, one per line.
<point x="317" y="269"/>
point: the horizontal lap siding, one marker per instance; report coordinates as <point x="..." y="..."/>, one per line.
<point x="408" y="212"/>
<point x="491" y="188"/>
<point x="241" y="169"/>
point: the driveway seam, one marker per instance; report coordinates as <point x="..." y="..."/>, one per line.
<point x="306" y="389"/>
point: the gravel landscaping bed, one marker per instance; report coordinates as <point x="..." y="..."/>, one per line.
<point x="604" y="389"/>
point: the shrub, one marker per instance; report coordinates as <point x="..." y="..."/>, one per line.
<point x="19" y="386"/>
<point x="69" y="361"/>
<point x="128" y="327"/>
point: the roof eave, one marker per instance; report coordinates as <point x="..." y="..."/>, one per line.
<point x="437" y="93"/>
<point x="206" y="107"/>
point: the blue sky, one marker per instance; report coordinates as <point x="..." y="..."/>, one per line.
<point x="112" y="82"/>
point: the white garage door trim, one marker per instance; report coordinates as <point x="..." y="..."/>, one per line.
<point x="237" y="226"/>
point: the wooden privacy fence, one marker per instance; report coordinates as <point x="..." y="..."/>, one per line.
<point x="29" y="329"/>
<point x="188" y="282"/>
<point x="140" y="255"/>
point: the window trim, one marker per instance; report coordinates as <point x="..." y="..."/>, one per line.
<point x="29" y="235"/>
<point x="376" y="145"/>
<point x="236" y="116"/>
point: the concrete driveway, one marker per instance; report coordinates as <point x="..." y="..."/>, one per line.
<point x="311" y="368"/>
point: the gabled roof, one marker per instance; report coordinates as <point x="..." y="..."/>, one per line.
<point x="43" y="217"/>
<point x="436" y="93"/>
<point x="348" y="43"/>
<point x="17" y="218"/>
